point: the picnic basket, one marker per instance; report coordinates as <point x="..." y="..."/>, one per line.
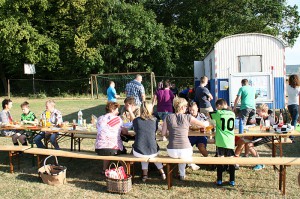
<point x="121" y="186"/>
<point x="53" y="174"/>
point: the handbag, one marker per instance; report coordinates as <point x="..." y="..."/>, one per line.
<point x="115" y="173"/>
<point x="53" y="174"/>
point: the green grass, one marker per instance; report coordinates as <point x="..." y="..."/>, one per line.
<point x="85" y="180"/>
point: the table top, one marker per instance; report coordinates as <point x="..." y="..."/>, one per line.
<point x="253" y="131"/>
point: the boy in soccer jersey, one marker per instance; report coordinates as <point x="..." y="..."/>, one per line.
<point x="224" y="137"/>
<point x="27" y="117"/>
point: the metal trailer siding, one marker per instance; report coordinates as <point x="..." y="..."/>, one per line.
<point x="225" y="93"/>
<point x="212" y="91"/>
<point x="279" y="92"/>
<point x="228" y="50"/>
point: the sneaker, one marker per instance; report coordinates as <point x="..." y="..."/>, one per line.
<point x="219" y="182"/>
<point x="144" y="178"/>
<point x="258" y="167"/>
<point x="232" y="183"/>
<point x="194" y="167"/>
<point x="181" y="177"/>
<point x="237" y="167"/>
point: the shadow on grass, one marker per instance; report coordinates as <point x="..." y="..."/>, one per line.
<point x="89" y="185"/>
<point x="29" y="177"/>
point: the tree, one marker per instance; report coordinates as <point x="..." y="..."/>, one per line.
<point x="195" y="25"/>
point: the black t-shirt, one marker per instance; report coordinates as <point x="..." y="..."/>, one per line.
<point x="201" y="97"/>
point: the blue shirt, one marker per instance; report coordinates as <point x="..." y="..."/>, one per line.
<point x="135" y="89"/>
<point x="111" y="94"/>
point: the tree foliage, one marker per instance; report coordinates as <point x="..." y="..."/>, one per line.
<point x="72" y="39"/>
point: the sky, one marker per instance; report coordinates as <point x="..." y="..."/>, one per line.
<point x="292" y="54"/>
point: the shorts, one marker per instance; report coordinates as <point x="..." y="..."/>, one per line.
<point x="247" y="115"/>
<point x="257" y="141"/>
<point x="196" y="140"/>
<point x="225" y="152"/>
<point x="110" y="152"/>
<point x="236" y="139"/>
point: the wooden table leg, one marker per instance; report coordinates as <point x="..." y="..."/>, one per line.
<point x="11" y="166"/>
<point x="38" y="161"/>
<point x="72" y="141"/>
<point x="280" y="177"/>
<point x="273" y="147"/>
<point x="283" y="180"/>
<point x="280" y="146"/>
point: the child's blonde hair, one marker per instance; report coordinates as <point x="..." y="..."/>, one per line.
<point x="146" y="111"/>
<point x="179" y="102"/>
<point x="263" y="108"/>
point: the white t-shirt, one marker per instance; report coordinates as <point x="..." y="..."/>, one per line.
<point x="293" y="95"/>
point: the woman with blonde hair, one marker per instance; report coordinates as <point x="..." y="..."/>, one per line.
<point x="145" y="144"/>
<point x="177" y="124"/>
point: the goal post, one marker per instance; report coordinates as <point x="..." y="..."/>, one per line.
<point x="100" y="82"/>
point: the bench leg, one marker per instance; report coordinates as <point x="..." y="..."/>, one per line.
<point x="169" y="175"/>
<point x="11" y="166"/>
<point x="283" y="180"/>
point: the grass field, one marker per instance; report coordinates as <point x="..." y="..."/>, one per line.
<point x="85" y="180"/>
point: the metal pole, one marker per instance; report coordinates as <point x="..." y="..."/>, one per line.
<point x="33" y="84"/>
<point x="8" y="88"/>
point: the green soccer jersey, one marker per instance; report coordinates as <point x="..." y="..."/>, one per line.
<point x="29" y="117"/>
<point x="224" y="128"/>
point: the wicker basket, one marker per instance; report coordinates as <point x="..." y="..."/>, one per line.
<point x="121" y="186"/>
<point x="53" y="174"/>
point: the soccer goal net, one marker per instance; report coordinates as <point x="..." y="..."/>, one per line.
<point x="100" y="83"/>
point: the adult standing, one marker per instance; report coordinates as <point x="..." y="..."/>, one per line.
<point x="174" y="89"/>
<point x="203" y="97"/>
<point x="247" y="96"/>
<point x="293" y="91"/>
<point x="136" y="89"/>
<point x="55" y="118"/>
<point x="164" y="99"/>
<point x="111" y="92"/>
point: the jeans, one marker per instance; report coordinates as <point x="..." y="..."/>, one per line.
<point x="163" y="115"/>
<point x="38" y="140"/>
<point x="293" y="109"/>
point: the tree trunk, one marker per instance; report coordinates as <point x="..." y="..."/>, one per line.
<point x="3" y="79"/>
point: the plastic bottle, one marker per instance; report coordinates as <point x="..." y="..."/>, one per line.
<point x="44" y="121"/>
<point x="241" y="126"/>
<point x="261" y="123"/>
<point x="80" y="118"/>
<point x="280" y="121"/>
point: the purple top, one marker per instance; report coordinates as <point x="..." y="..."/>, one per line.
<point x="164" y="100"/>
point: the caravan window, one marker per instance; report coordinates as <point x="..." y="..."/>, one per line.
<point x="250" y="64"/>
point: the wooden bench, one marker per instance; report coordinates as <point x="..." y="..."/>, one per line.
<point x="168" y="161"/>
<point x="13" y="151"/>
<point x="282" y="161"/>
<point x="78" y="137"/>
<point x="127" y="158"/>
